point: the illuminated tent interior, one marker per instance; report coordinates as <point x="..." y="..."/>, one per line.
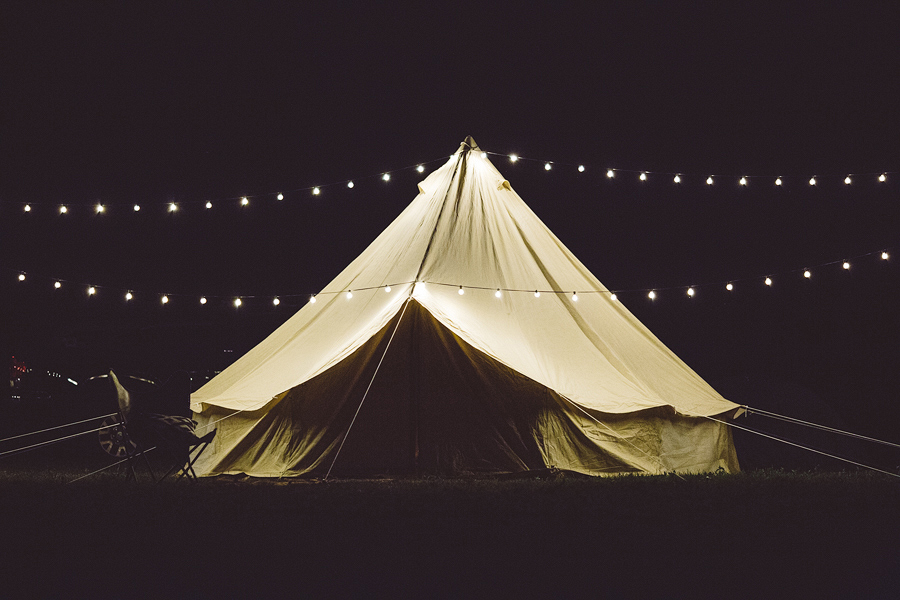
<point x="465" y="339"/>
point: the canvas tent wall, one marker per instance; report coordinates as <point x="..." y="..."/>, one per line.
<point x="393" y="371"/>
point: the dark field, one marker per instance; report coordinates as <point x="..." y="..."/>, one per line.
<point x="753" y="535"/>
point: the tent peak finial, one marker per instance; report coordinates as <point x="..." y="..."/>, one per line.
<point x="469" y="144"/>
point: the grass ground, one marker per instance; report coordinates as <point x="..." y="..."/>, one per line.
<point x="750" y="535"/>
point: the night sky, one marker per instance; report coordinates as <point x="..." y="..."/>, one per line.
<point x="195" y="102"/>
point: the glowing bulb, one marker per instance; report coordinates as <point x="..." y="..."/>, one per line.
<point x="128" y="296"/>
<point x="513" y="158"/>
<point x="709" y="180"/>
<point x="57" y="285"/>
<point x="21" y="276"/>
<point x="209" y="205"/>
<point x="613" y="297"/>
<point x="245" y="201"/>
<point x="497" y="294"/>
<point x="279" y="197"/>
<point x="137" y="207"/>
<point x="312" y="299"/>
<point x="884" y="256"/>
<point x="691" y="292"/>
<point x="484" y="155"/>
<point x="847" y="180"/>
<point x="846" y="265"/>
<point x="203" y="300"/>
<point x="27" y="208"/>
<point x="237" y="302"/>
<point x="386" y="177"/>
<point x="316" y="191"/>
<point x="164" y="299"/>
<point x="729" y="287"/>
<point x="350" y="184"/>
<point x="581" y="168"/>
<point x="420" y="168"/>
<point x="92" y="290"/>
<point x="574" y="296"/>
<point x="461" y="291"/>
<point x="768" y="281"/>
<point x="643" y="177"/>
<point x="677" y="179"/>
<point x="63" y="210"/>
<point x="652" y="295"/>
<point x="276" y="301"/>
<point x="778" y="181"/>
<point x="547" y="166"/>
<point x="807" y="274"/>
<point x="387" y="289"/>
<point x="537" y="294"/>
<point x="812" y="181"/>
<point x="349" y="294"/>
<point x="882" y="178"/>
<point x="743" y="181"/>
<point x="610" y="173"/>
<point x="173" y="207"/>
<point x="100" y="208"/>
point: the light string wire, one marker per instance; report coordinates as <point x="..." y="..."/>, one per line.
<point x="790" y="443"/>
<point x="55" y="441"/>
<point x="764" y="413"/>
<point x="132" y="293"/>
<point x="643" y="175"/>
<point x="21" y="435"/>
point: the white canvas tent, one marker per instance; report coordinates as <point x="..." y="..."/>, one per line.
<point x="392" y="370"/>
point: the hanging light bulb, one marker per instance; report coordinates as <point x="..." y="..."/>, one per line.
<point x="173" y="207"/>
<point x="164" y="299"/>
<point x="461" y="291"/>
<point x="420" y="168"/>
<point x="743" y="181"/>
<point x="613" y="297"/>
<point x="884" y="255"/>
<point x="581" y="168"/>
<point x="882" y="178"/>
<point x="312" y="299"/>
<point x="847" y="180"/>
<point x="63" y="209"/>
<point x="643" y="177"/>
<point x="203" y="300"/>
<point x="812" y="180"/>
<point x="768" y="281"/>
<point x="709" y="180"/>
<point x="846" y="266"/>
<point x="27" y="208"/>
<point x="100" y="208"/>
<point x="92" y="290"/>
<point x="652" y="295"/>
<point x="349" y="294"/>
<point x="21" y="276"/>
<point x="513" y="158"/>
<point x="677" y="179"/>
<point x="350" y="184"/>
<point x="574" y="296"/>
<point x="537" y="294"/>
<point x="279" y="197"/>
<point x="237" y="302"/>
<point x="778" y="181"/>
<point x="245" y="201"/>
<point x="316" y="191"/>
<point x="690" y="292"/>
<point x="276" y="301"/>
<point x="729" y="287"/>
<point x="498" y="294"/>
<point x="484" y="155"/>
<point x="209" y="205"/>
<point x="807" y="274"/>
<point x="387" y="289"/>
<point x="547" y="166"/>
<point x="57" y="285"/>
<point x="386" y="177"/>
<point x="128" y="296"/>
<point x="610" y="173"/>
<point x="136" y="207"/>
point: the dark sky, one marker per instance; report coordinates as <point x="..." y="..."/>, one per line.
<point x="187" y="102"/>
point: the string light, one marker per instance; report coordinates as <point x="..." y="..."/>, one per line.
<point x="581" y="168"/>
<point x="245" y="201"/>
<point x="136" y="207"/>
<point x="386" y="177"/>
<point x="237" y="302"/>
<point x="690" y="292"/>
<point x="677" y="179"/>
<point x="21" y="276"/>
<point x="846" y="266"/>
<point x="27" y="208"/>
<point x="349" y="294"/>
<point x="63" y="210"/>
<point x="57" y="284"/>
<point x="652" y="295"/>
<point x="484" y="155"/>
<point x="768" y="281"/>
<point x="547" y="166"/>
<point x="461" y="291"/>
<point x="574" y="296"/>
<point x="203" y="300"/>
<point x="882" y="178"/>
<point x="209" y="205"/>
<point x="884" y="256"/>
<point x="807" y="274"/>
<point x="613" y="297"/>
<point x="729" y="286"/>
<point x="537" y="294"/>
<point x="610" y="173"/>
<point x="743" y="181"/>
<point x="92" y="290"/>
<point x="847" y="180"/>
<point x="778" y="181"/>
<point x="387" y="289"/>
<point x="350" y="184"/>
<point x="709" y="180"/>
<point x="312" y="299"/>
<point x="643" y="177"/>
<point x="420" y="169"/>
<point x="316" y="191"/>
<point x="164" y="299"/>
<point x="280" y="196"/>
<point x="173" y="207"/>
<point x="128" y="296"/>
<point x="276" y="301"/>
<point x="513" y="158"/>
<point x="100" y="208"/>
<point x="498" y="294"/>
<point x="812" y="180"/>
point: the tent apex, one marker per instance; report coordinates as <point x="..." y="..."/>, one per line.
<point x="469" y="144"/>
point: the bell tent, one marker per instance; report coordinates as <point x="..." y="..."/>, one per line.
<point x="455" y="344"/>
